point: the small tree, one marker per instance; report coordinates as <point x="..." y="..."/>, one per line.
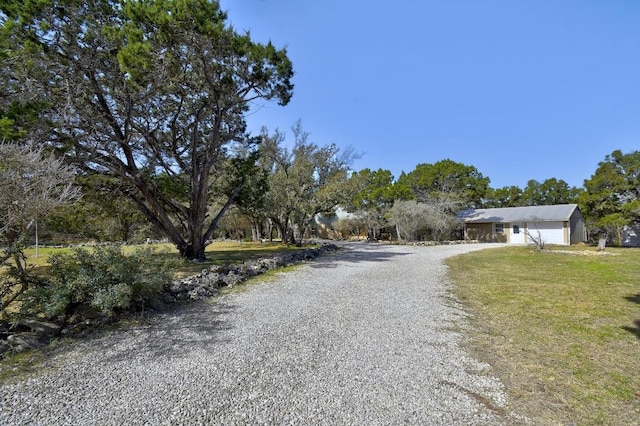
<point x="433" y="218"/>
<point x="534" y="234"/>
<point x="32" y="185"/>
<point x="409" y="217"/>
<point x="440" y="210"/>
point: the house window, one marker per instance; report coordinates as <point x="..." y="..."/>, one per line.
<point x="516" y="229"/>
<point x="499" y="228"/>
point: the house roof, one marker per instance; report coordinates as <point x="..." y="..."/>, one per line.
<point x="520" y="214"/>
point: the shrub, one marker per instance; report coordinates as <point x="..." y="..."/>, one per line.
<point x="103" y="279"/>
<point x="17" y="279"/>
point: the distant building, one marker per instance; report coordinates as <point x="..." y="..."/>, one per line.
<point x="557" y="224"/>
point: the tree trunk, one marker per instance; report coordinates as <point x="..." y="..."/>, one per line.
<point x="279" y="229"/>
<point x="398" y="232"/>
<point x="290" y="235"/>
<point x="126" y="230"/>
<point x="194" y="251"/>
<point x="270" y="230"/>
<point x="255" y="234"/>
<point x="602" y="243"/>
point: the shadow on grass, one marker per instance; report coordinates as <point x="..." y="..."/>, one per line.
<point x="634" y="299"/>
<point x="634" y="330"/>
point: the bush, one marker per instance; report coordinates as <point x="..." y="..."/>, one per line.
<point x="103" y="279"/>
<point x="17" y="279"/>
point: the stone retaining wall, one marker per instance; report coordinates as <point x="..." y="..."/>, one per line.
<point x="209" y="281"/>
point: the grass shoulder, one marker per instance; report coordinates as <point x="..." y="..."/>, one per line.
<point x="560" y="327"/>
<point x="218" y="253"/>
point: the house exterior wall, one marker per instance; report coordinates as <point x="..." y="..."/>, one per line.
<point x="577" y="228"/>
<point x="555" y="224"/>
<point x="517" y="233"/>
<point x="550" y="232"/>
<point x="482" y="232"/>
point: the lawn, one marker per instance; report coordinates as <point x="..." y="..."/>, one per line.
<point x="562" y="330"/>
<point x="218" y="253"/>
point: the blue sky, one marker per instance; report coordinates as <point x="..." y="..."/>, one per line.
<point x="519" y="89"/>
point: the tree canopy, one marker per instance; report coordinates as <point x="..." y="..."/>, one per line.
<point x="149" y="92"/>
<point x="551" y="191"/>
<point x="303" y="181"/>
<point x="445" y="178"/>
<point x="373" y="199"/>
<point x="612" y="196"/>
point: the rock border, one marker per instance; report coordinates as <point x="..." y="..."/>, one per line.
<point x="209" y="282"/>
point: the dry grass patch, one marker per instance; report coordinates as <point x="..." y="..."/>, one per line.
<point x="561" y="330"/>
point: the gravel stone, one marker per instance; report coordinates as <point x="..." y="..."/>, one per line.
<point x="366" y="336"/>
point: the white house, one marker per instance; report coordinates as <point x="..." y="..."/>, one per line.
<point x="557" y="224"/>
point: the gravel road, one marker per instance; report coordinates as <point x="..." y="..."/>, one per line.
<point x="367" y="336"/>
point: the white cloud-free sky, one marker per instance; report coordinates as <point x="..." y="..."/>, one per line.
<point x="525" y="89"/>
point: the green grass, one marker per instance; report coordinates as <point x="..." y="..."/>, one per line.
<point x="218" y="253"/>
<point x="561" y="330"/>
<point x="20" y="366"/>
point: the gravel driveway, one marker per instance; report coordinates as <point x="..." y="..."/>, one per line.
<point x="365" y="336"/>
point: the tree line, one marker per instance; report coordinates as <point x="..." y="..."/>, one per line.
<point x="123" y="120"/>
<point x="423" y="203"/>
<point x="144" y="102"/>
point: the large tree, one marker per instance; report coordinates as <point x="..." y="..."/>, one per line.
<point x="373" y="200"/>
<point x="149" y="92"/>
<point x="103" y="213"/>
<point x="507" y="196"/>
<point x="445" y="179"/>
<point x="551" y="191"/>
<point x="303" y="181"/>
<point x="612" y="196"/>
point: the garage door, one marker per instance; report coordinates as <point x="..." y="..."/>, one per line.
<point x="551" y="232"/>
